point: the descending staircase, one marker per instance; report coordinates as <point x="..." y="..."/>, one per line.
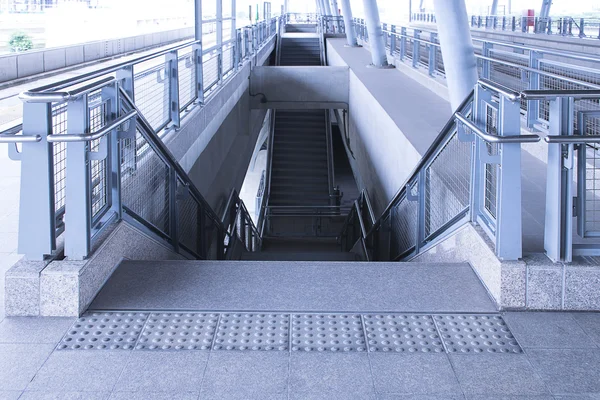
<point x="304" y="51"/>
<point x="299" y="174"/>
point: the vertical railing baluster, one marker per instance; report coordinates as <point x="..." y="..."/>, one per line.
<point x="432" y="54"/>
<point x="393" y="41"/>
<point x="416" y="48"/>
<point x="172" y="61"/>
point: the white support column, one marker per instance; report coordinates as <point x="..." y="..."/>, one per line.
<point x="286" y="6"/>
<point x="457" y="48"/>
<point x="233" y="20"/>
<point x="349" y="22"/>
<point x="545" y="10"/>
<point x="494" y="8"/>
<point x="220" y="38"/>
<point x="375" y="33"/>
<point x="335" y="8"/>
<point x="327" y="7"/>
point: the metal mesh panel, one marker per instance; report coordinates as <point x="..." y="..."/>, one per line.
<point x="188" y="219"/>
<point x="97" y="110"/>
<point x="187" y="79"/>
<point x="210" y="71"/>
<point x="152" y="93"/>
<point x="491" y="170"/>
<point x="403" y="227"/>
<point x="592" y="178"/>
<point x="145" y="183"/>
<point x="228" y="60"/>
<point x="447" y="185"/>
<point x="59" y="127"/>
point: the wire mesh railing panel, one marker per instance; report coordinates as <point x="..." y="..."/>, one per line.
<point x="59" y="149"/>
<point x="188" y="220"/>
<point x="98" y="109"/>
<point x="403" y="227"/>
<point x="228" y="60"/>
<point x="210" y="69"/>
<point x="186" y="79"/>
<point x="447" y="184"/>
<point x="145" y="183"/>
<point x="152" y="93"/>
<point x="592" y="178"/>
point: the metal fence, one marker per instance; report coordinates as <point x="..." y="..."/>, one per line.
<point x="83" y="118"/>
<point x="563" y="26"/>
<point x="472" y="172"/>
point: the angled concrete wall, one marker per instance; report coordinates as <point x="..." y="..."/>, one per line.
<point x="299" y="87"/>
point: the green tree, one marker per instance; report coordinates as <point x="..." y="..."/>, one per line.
<point x="20" y="41"/>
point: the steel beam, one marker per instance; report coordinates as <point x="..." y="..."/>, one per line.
<point x="457" y="48"/>
<point x="349" y="22"/>
<point x="375" y="34"/>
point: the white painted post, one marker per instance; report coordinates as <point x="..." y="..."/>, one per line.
<point x="349" y="22"/>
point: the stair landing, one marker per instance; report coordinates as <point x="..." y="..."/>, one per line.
<point x="294" y="287"/>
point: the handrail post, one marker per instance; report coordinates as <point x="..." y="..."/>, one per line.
<point x="111" y="92"/>
<point x="558" y="237"/>
<point x="508" y="219"/>
<point x="533" y="106"/>
<point x="126" y="80"/>
<point x="402" y="43"/>
<point x="37" y="216"/>
<point x="393" y="39"/>
<point x="173" y="209"/>
<point x="78" y="187"/>
<point x="432" y="54"/>
<point x="486" y="68"/>
<point x="416" y="48"/>
<point x="582" y="28"/>
<point x="197" y="51"/>
<point x="172" y="61"/>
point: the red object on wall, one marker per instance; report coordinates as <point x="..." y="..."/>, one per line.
<point x="530" y="17"/>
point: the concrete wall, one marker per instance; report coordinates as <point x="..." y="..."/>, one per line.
<point x="22" y="65"/>
<point x="300" y="87"/>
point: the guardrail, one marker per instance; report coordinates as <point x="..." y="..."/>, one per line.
<point x="563" y="26"/>
<point x="83" y="117"/>
<point x="471" y="173"/>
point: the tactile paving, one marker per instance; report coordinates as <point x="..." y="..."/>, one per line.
<point x="402" y="333"/>
<point x="104" y="331"/>
<point x="178" y="331"/>
<point x="246" y="331"/>
<point x="476" y="334"/>
<point x="327" y="332"/>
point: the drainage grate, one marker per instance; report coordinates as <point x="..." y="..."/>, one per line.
<point x="402" y="334"/>
<point x="476" y="334"/>
<point x="178" y="331"/>
<point x="253" y="332"/>
<point x="104" y="331"/>
<point x="327" y="332"/>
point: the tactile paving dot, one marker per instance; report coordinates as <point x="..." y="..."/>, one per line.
<point x="178" y="331"/>
<point x="476" y="334"/>
<point x="327" y="332"/>
<point x="402" y="333"/>
<point x="104" y="331"/>
<point x="244" y="331"/>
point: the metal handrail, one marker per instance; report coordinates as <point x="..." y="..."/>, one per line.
<point x="500" y="89"/>
<point x="552" y="94"/>
<point x="531" y="138"/>
<point x="9" y="135"/>
<point x="88" y="137"/>
<point x="571" y="139"/>
<point x="52" y="88"/>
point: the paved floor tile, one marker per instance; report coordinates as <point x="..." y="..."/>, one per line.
<point x="497" y="374"/>
<point x="154" y="396"/>
<point x="28" y="395"/>
<point x="163" y="372"/>
<point x="313" y="373"/>
<point x="84" y="371"/>
<point x="414" y="374"/>
<point x="33" y="329"/>
<point x="9" y="394"/>
<point x="246" y="375"/>
<point x="547" y="330"/>
<point x="20" y="362"/>
<point x="541" y="397"/>
<point x="590" y="323"/>
<point x="568" y="371"/>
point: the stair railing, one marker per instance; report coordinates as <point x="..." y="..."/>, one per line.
<point x="359" y="222"/>
<point x="240" y="230"/>
<point x="334" y="192"/>
<point x="471" y="173"/>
